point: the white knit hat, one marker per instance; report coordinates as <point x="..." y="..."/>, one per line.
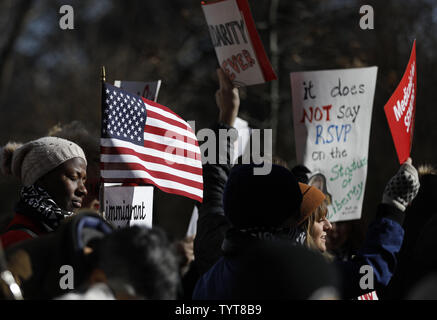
<point x="31" y="161"/>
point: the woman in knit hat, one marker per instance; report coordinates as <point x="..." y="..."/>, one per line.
<point x="52" y="172"/>
<point x="76" y="131"/>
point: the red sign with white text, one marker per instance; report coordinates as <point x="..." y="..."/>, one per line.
<point x="401" y="108"/>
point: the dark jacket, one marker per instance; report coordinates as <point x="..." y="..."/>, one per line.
<point x="418" y="214"/>
<point x="382" y="244"/>
<point x="40" y="260"/>
<point x="212" y="224"/>
<point x="257" y="269"/>
<point x="380" y="251"/>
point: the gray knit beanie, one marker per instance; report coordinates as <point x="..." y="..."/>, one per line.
<point x="31" y="161"/>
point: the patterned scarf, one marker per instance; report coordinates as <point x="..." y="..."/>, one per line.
<point x="36" y="203"/>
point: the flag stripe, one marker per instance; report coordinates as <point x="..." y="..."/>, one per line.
<point x="172" y="150"/>
<point x="139" y="170"/>
<point x="168" y="158"/>
<point x="141" y="174"/>
<point x="171" y="143"/>
<point x="168" y="133"/>
<point x="164" y="125"/>
<point x="152" y="159"/>
<point x="147" y="181"/>
<point x="163" y="110"/>
<point x="171" y="121"/>
<point x="151" y="167"/>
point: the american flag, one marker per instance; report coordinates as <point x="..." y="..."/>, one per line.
<point x="144" y="142"/>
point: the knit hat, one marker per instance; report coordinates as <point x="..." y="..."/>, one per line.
<point x="33" y="160"/>
<point x="261" y="200"/>
<point x="312" y="199"/>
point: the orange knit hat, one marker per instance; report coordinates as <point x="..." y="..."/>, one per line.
<point x="312" y="198"/>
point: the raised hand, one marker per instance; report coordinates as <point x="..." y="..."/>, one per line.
<point x="402" y="187"/>
<point x="227" y="99"/>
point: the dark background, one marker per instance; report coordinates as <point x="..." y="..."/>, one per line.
<point x="50" y="76"/>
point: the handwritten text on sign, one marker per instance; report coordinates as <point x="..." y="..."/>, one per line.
<point x="237" y="44"/>
<point x="332" y="113"/>
<point x="125" y="206"/>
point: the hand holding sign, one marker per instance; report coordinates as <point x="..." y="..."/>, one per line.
<point x="227" y="99"/>
<point x="402" y="187"/>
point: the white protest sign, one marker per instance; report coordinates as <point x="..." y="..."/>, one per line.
<point x="192" y="226"/>
<point x="238" y="47"/>
<point x="148" y="90"/>
<point x="332" y="112"/>
<point x="126" y="206"/>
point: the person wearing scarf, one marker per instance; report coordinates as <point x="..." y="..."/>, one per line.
<point x="52" y="172"/>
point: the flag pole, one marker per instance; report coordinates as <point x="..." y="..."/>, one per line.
<point x="101" y="189"/>
<point x="103" y="77"/>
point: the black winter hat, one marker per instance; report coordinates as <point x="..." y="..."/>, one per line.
<point x="270" y="200"/>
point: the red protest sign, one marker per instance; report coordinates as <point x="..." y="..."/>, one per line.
<point x="237" y="44"/>
<point x="401" y="108"/>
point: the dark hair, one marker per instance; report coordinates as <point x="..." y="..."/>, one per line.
<point x="141" y="258"/>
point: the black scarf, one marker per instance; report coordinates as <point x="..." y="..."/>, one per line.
<point x="37" y="204"/>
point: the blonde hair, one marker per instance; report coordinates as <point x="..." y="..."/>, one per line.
<point x="318" y="214"/>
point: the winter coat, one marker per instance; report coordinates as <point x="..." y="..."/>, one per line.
<point x="21" y="228"/>
<point x="418" y="214"/>
<point x="211" y="223"/>
<point x="40" y="260"/>
<point x="257" y="269"/>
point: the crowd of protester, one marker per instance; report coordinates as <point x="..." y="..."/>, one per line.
<point x="258" y="236"/>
